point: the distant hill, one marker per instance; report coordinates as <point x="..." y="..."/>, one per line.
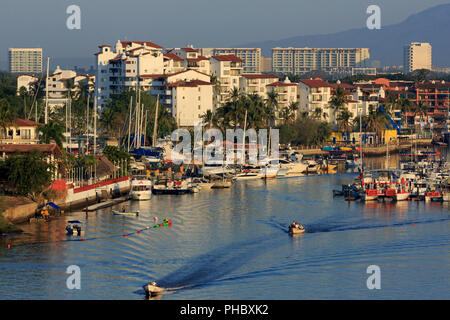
<point x="386" y="45"/>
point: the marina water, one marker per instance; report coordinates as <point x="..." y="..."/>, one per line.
<point x="233" y="244"/>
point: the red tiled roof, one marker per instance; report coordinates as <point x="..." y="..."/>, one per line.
<point x="316" y="83"/>
<point x="199" y="58"/>
<point x="172" y="56"/>
<point x="25" y="123"/>
<point x="281" y="84"/>
<point x="147" y="43"/>
<point x="165" y="75"/>
<point x="189" y="49"/>
<point x="104" y="45"/>
<point x="228" y="57"/>
<point x="260" y="76"/>
<point x="191" y="83"/>
<point x="21" y="148"/>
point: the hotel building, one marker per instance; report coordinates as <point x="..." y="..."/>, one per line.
<point x="299" y="61"/>
<point x="417" y="55"/>
<point x="251" y="57"/>
<point x="25" y="60"/>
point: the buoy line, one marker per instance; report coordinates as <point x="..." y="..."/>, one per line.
<point x="166" y="223"/>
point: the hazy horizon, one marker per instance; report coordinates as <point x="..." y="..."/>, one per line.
<point x="174" y="23"/>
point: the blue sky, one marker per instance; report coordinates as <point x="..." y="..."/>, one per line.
<point x="203" y="23"/>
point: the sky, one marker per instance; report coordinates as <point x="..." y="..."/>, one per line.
<point x="175" y="23"/>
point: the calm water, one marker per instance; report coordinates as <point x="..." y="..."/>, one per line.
<point x="233" y="244"/>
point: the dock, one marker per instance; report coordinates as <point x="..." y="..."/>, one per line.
<point x="106" y="204"/>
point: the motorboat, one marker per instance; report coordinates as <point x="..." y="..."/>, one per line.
<point x="125" y="213"/>
<point x="296" y="229"/>
<point x="152" y="289"/>
<point x="248" y="175"/>
<point x="269" y="172"/>
<point x="222" y="184"/>
<point x="172" y="187"/>
<point x="74" y="228"/>
<point x="141" y="188"/>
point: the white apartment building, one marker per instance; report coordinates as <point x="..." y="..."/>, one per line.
<point x="61" y="81"/>
<point x="332" y="60"/>
<point x="25" y="60"/>
<point x="227" y="69"/>
<point x="190" y="100"/>
<point x="26" y="81"/>
<point x="119" y="69"/>
<point x="315" y="94"/>
<point x="417" y="55"/>
<point x="188" y="94"/>
<point x="173" y="63"/>
<point x="251" y="57"/>
<point x="22" y="131"/>
<point x="287" y="92"/>
<point x="256" y="83"/>
<point x="192" y="59"/>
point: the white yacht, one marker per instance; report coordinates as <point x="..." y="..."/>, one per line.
<point x="141" y="188"/>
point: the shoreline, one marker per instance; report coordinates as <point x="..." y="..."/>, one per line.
<point x="21" y="210"/>
<point x="372" y="151"/>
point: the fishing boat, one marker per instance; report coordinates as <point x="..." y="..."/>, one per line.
<point x="152" y="289"/>
<point x="141" y="188"/>
<point x="433" y="196"/>
<point x="125" y="213"/>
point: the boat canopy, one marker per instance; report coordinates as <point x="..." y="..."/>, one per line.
<point x="51" y="204"/>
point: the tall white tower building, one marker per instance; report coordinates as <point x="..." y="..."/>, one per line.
<point x="417" y="55"/>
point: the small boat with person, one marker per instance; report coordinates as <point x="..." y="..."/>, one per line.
<point x="74" y="228"/>
<point x="152" y="289"/>
<point x="123" y="212"/>
<point x="296" y="228"/>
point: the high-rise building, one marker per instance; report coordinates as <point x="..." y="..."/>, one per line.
<point x="250" y="56"/>
<point x="25" y="60"/>
<point x="332" y="60"/>
<point x="417" y="55"/>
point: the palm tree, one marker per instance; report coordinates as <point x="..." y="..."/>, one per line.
<point x="52" y="131"/>
<point x="420" y="109"/>
<point x="293" y="107"/>
<point x="6" y="115"/>
<point x="344" y="121"/>
<point x="234" y="97"/>
<point x="208" y="117"/>
<point x="405" y="106"/>
<point x="107" y="119"/>
<point x="338" y="99"/>
<point x="216" y="88"/>
<point x="272" y="104"/>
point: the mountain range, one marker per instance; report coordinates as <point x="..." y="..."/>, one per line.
<point x="386" y="44"/>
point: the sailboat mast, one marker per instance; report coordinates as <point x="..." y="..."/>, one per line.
<point x="129" y="124"/>
<point x="243" y="140"/>
<point x="46" y="92"/>
<point x="155" y="127"/>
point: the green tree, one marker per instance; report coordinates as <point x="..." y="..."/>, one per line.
<point x="29" y="174"/>
<point x="52" y="131"/>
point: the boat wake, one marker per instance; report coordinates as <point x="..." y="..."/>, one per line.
<point x="214" y="265"/>
<point x="348" y="226"/>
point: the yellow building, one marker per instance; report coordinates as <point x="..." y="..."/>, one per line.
<point x="389" y="135"/>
